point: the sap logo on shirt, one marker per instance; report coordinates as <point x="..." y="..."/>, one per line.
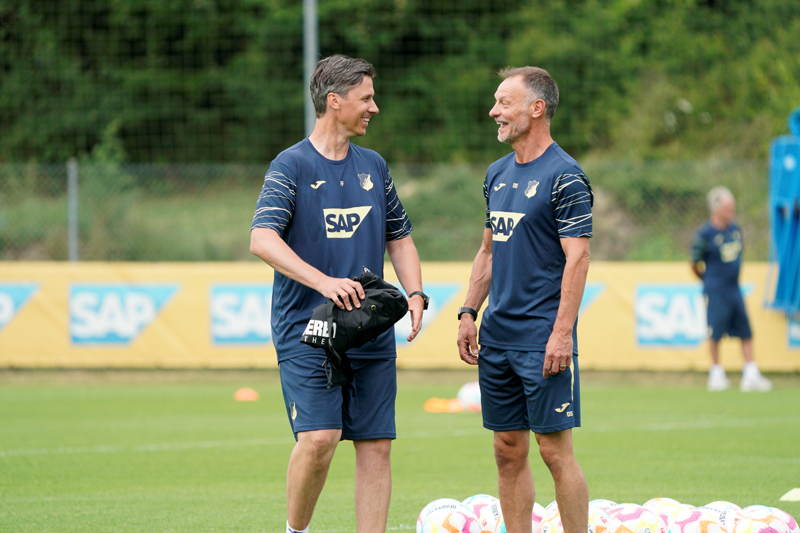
<point x="342" y="223"/>
<point x="794" y="333"/>
<point x="114" y="313"/>
<point x="440" y="294"/>
<point x="13" y="296"/>
<point x="670" y="315"/>
<point x="503" y="224"/>
<point x="241" y="313"/>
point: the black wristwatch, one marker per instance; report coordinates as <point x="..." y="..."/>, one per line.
<point x="469" y="311"/>
<point x="425" y="298"/>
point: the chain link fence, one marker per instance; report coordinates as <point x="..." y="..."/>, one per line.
<point x="195" y="212"/>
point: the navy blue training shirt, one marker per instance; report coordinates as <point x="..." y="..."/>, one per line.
<point x="337" y="216"/>
<point x="721" y="251"/>
<point x="529" y="208"/>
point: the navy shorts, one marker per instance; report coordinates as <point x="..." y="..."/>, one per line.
<point x="363" y="410"/>
<point x="726" y="314"/>
<point x="515" y="395"/>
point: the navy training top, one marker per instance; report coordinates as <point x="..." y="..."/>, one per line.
<point x="721" y="251"/>
<point x="337" y="216"/>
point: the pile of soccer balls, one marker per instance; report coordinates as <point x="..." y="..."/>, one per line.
<point x="482" y="514"/>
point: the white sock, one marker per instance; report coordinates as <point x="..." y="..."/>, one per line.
<point x="290" y="530"/>
<point x="750" y="370"/>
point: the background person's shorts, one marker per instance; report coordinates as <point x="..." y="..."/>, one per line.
<point x="363" y="410"/>
<point x="726" y="314"/>
<point x="515" y="395"/>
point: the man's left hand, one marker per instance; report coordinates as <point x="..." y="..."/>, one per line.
<point x="415" y="307"/>
<point x="558" y="354"/>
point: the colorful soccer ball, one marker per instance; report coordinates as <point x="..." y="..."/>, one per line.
<point x="605" y="505"/>
<point x="726" y="513"/>
<point x="600" y="521"/>
<point x="436" y="505"/>
<point x="656" y="504"/>
<point x="766" y="514"/>
<point x="635" y="518"/>
<point x="491" y="519"/>
<point x="788" y="519"/>
<point x="470" y="397"/>
<point x="450" y="521"/>
<point x="478" y="502"/>
<point x="754" y="525"/>
<point x="693" y="520"/>
<point x="537" y="516"/>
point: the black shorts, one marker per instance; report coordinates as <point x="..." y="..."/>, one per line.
<point x="726" y="314"/>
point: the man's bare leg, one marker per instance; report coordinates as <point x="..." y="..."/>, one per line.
<point x="308" y="470"/>
<point x="514" y="479"/>
<point x="572" y="493"/>
<point x="373" y="485"/>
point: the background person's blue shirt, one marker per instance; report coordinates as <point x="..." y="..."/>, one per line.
<point x="721" y="251"/>
<point x="529" y="208"/>
<point x="337" y="217"/>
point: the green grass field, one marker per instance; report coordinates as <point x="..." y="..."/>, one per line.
<point x="164" y="451"/>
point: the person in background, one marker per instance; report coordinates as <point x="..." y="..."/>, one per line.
<point x="717" y="261"/>
<point x="532" y="265"/>
<point x="328" y="208"/>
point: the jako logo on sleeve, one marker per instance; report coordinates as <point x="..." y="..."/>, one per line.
<point x="114" y="313"/>
<point x="440" y="294"/>
<point x="12" y="297"/>
<point x="342" y="223"/>
<point x="670" y="315"/>
<point x="503" y="224"/>
<point x="240" y="314"/>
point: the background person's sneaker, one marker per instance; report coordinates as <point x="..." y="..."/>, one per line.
<point x="755" y="384"/>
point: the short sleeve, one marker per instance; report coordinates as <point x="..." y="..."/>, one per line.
<point x="275" y="205"/>
<point x="398" y="225"/>
<point x="488" y="222"/>
<point x="572" y="198"/>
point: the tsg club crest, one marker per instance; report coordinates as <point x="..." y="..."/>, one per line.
<point x="530" y="191"/>
<point x="365" y="181"/>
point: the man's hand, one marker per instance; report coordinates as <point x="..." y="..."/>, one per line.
<point x="415" y="306"/>
<point x="344" y="292"/>
<point x="468" y="340"/>
<point x="558" y="353"/>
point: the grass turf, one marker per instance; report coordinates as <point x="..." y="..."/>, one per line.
<point x="161" y="451"/>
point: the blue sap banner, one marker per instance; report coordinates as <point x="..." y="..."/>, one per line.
<point x="794" y="333"/>
<point x="13" y="297"/>
<point x="240" y="314"/>
<point x="672" y="315"/>
<point x="114" y="314"/>
<point x="440" y="294"/>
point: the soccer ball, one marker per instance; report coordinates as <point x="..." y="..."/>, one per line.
<point x="726" y="513"/>
<point x="470" y="397"/>
<point x="635" y="518"/>
<point x="491" y="518"/>
<point x="478" y="502"/>
<point x="754" y="525"/>
<point x="790" y="522"/>
<point x="605" y="505"/>
<point x="450" y="521"/>
<point x="656" y="504"/>
<point x="537" y="516"/>
<point x="766" y="514"/>
<point x="693" y="520"/>
<point x="600" y="521"/>
<point x="436" y="505"/>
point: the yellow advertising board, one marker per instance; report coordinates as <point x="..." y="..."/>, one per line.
<point x="217" y="315"/>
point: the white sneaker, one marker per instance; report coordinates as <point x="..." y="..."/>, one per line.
<point x="756" y="383"/>
<point x="718" y="382"/>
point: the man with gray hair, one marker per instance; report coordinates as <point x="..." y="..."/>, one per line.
<point x="717" y="260"/>
<point x="327" y="209"/>
<point x="532" y="266"/>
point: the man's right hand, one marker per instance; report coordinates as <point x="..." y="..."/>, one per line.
<point x="344" y="292"/>
<point x="468" y="340"/>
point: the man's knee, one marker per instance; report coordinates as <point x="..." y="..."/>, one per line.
<point x="511" y="447"/>
<point x="555" y="450"/>
<point x="321" y="442"/>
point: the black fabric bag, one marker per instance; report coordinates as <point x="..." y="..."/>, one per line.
<point x="338" y="330"/>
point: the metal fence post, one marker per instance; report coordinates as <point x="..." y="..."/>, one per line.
<point x="72" y="209"/>
<point x="310" y="58"/>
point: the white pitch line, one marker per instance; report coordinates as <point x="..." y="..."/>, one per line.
<point x="791" y="496"/>
<point x="475" y="432"/>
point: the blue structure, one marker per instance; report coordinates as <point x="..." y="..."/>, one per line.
<point x="784" y="204"/>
